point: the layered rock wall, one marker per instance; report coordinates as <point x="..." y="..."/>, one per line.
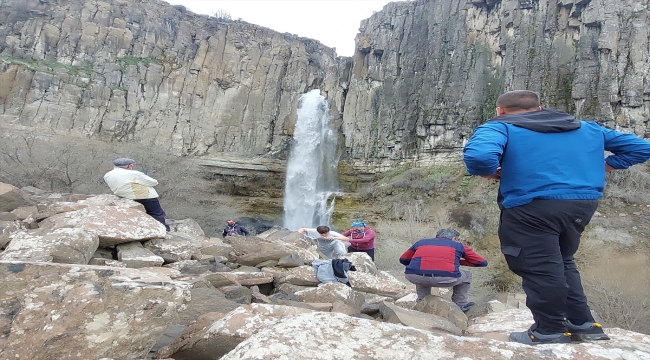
<point x="148" y="72"/>
<point x="426" y="73"/>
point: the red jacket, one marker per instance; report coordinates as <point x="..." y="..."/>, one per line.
<point x="364" y="240"/>
<point x="439" y="256"/>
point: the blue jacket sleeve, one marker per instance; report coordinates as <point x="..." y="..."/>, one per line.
<point x="628" y="149"/>
<point x="482" y="154"/>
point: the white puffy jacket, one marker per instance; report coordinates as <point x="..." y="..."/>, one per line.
<point x="131" y="184"/>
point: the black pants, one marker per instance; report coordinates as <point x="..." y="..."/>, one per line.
<point x="153" y="209"/>
<point x="370" y="252"/>
<point x="538" y="241"/>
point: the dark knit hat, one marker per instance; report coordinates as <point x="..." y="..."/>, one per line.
<point x="123" y="162"/>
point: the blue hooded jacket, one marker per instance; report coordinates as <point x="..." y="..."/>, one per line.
<point x="549" y="154"/>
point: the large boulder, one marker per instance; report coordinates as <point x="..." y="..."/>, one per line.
<point x="67" y="245"/>
<point x="134" y="255"/>
<point x="12" y="197"/>
<point x="331" y="293"/>
<point x="383" y="284"/>
<point x="443" y="308"/>
<point x="213" y="247"/>
<point x="302" y="275"/>
<point x="172" y="249"/>
<point x="186" y="227"/>
<point x="219" y="334"/>
<point x="204" y="300"/>
<point x="363" y="263"/>
<point x="319" y="335"/>
<point x="252" y="250"/>
<point x="50" y="309"/>
<point x="112" y="224"/>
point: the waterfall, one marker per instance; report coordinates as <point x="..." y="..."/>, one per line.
<point x="311" y="181"/>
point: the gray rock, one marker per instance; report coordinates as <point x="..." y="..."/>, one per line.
<point x="290" y="261"/>
<point x="205" y="300"/>
<point x="66" y="245"/>
<point x="122" y="311"/>
<point x="12" y="197"/>
<point x="419" y="320"/>
<point x="171" y="249"/>
<point x="443" y="308"/>
<point x="237" y="293"/>
<point x="113" y="224"/>
<point x="133" y="255"/>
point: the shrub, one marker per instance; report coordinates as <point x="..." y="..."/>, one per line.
<point x="501" y="279"/>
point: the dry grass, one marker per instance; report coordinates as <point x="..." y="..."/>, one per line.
<point x="616" y="278"/>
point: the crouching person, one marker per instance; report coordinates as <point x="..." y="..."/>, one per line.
<point x="436" y="263"/>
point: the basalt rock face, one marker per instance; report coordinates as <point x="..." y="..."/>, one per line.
<point x="424" y="75"/>
<point x="148" y="72"/>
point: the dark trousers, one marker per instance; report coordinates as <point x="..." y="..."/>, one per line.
<point x="538" y="241"/>
<point x="153" y="209"/>
<point x="370" y="252"/>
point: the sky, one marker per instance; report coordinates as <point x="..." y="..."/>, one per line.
<point x="335" y="23"/>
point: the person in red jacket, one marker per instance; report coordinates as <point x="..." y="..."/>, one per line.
<point x="436" y="263"/>
<point x="362" y="239"/>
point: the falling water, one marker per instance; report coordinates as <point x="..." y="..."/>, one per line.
<point x="311" y="170"/>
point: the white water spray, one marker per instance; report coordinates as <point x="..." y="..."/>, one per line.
<point x="311" y="181"/>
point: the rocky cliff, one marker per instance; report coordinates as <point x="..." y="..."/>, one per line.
<point x="425" y="73"/>
<point x="148" y="72"/>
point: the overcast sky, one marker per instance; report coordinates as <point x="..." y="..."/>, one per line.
<point x="334" y="23"/>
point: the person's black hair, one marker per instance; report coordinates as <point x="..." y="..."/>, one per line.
<point x="323" y="229"/>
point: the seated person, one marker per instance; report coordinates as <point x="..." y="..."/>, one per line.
<point x="330" y="243"/>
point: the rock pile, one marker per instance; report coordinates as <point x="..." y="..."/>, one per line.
<point x="94" y="277"/>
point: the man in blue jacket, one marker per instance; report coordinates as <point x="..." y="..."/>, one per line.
<point x="551" y="169"/>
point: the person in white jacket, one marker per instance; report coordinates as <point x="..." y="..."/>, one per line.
<point x="132" y="184"/>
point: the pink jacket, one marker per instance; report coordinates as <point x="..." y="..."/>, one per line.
<point x="363" y="240"/>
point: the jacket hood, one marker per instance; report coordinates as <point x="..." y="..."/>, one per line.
<point x="543" y="121"/>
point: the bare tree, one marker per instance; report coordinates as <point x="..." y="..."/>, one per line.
<point x="223" y="15"/>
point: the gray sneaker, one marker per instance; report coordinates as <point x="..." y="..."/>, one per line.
<point x="586" y="331"/>
<point x="532" y="337"/>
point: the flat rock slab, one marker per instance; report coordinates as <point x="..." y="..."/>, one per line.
<point x="112" y="224"/>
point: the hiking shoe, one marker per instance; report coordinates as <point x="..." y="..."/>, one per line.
<point x="586" y="331"/>
<point x="532" y="337"/>
<point x="466" y="307"/>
